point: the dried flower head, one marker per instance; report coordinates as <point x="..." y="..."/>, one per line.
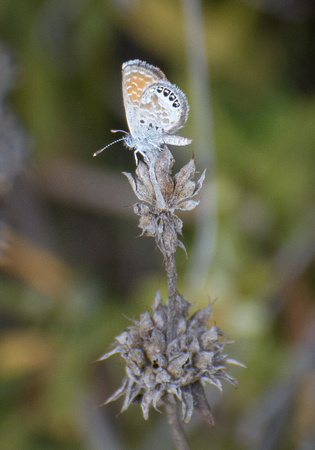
<point x="160" y="371"/>
<point x="160" y="195"/>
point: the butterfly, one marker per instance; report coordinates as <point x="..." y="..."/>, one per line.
<point x="154" y="107"/>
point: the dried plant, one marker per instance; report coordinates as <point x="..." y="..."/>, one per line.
<point x="169" y="356"/>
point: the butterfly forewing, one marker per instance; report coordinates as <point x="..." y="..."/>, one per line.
<point x="136" y="77"/>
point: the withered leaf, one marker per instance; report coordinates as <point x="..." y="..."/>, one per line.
<point x="163" y="168"/>
<point x="186" y="173"/>
<point x="188" y="205"/>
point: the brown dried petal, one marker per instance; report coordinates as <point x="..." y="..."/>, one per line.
<point x="158" y="339"/>
<point x="193" y="345"/>
<point x="189" y="376"/>
<point x="158" y="301"/>
<point x="132" y="182"/>
<point x="201" y="403"/>
<point x="228" y="377"/>
<point x="163" y="377"/>
<point x="157" y="398"/>
<point x="175" y="390"/>
<point x="133" y="337"/>
<point x="187" y="405"/>
<point x="200" y="317"/>
<point x="128" y="394"/>
<point x="133" y="367"/>
<point x="234" y="362"/>
<point x="175" y="366"/>
<point x="208" y="337"/>
<point x="178" y="224"/>
<point x="183" y="305"/>
<point x="185" y="174"/>
<point x="123" y="338"/>
<point x="134" y="392"/>
<point x="152" y="397"/>
<point x="181" y="326"/>
<point x="138" y="357"/>
<point x="141" y="209"/>
<point x="207" y="378"/>
<point x="200" y="182"/>
<point x="148" y="225"/>
<point x="187" y="205"/>
<point x="163" y="168"/>
<point x="146" y="403"/>
<point x="181" y="245"/>
<point x="160" y="318"/>
<point x="203" y="360"/>
<point x="108" y="354"/>
<point x="143" y="193"/>
<point x="145" y="324"/>
<point x="118" y="393"/>
<point x="166" y="237"/>
<point x="143" y="175"/>
<point x="138" y="188"/>
<point x="172" y="349"/>
<point x="148" y="378"/>
<point x="186" y="191"/>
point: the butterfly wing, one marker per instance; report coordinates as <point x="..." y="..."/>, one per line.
<point x="163" y="109"/>
<point x="136" y="77"/>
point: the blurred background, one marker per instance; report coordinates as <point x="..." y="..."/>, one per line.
<point x="72" y="269"/>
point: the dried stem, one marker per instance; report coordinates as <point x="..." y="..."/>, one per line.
<point x="179" y="436"/>
<point x="172" y="319"/>
<point x="169" y="257"/>
<point x="169" y="357"/>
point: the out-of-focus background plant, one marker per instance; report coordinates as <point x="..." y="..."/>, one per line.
<point x="71" y="266"/>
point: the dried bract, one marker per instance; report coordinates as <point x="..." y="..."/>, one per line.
<point x="153" y="183"/>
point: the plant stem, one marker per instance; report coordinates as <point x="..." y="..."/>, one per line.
<point x="179" y="437"/>
<point x="170" y="268"/>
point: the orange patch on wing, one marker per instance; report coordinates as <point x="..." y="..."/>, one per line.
<point x="136" y="83"/>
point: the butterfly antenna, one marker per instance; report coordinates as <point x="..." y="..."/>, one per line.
<point x="118" y="131"/>
<point x="112" y="143"/>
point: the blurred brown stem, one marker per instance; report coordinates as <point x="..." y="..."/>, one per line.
<point x="170" y="267"/>
<point x="179" y="437"/>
